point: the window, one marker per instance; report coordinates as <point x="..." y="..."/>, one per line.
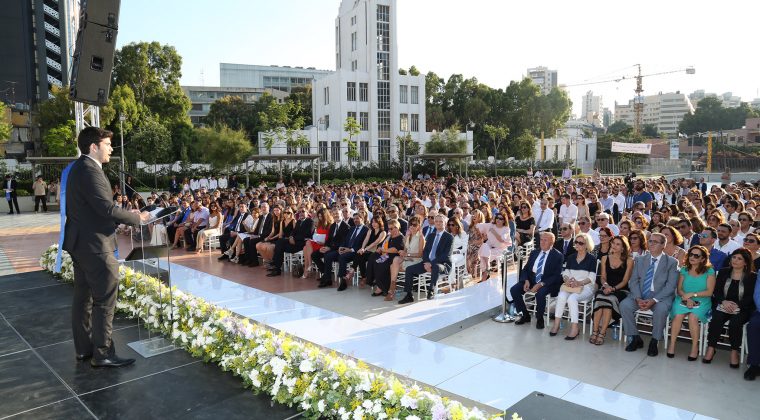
<point x="335" y="151"/>
<point x="384" y="150"/>
<point x="363" y="92"/>
<point x="415" y="94"/>
<point x="351" y="114"/>
<point x="327" y="122"/>
<point x="354" y="65"/>
<point x="323" y="151"/>
<point x="415" y="122"/>
<point x="587" y="153"/>
<point x="197" y="107"/>
<point x="402" y="93"/>
<point x="364" y="121"/>
<point x="351" y="91"/>
<point x="404" y="126"/>
<point x="327" y="95"/>
<point x="364" y="151"/>
<point x="353" y="20"/>
<point x="384" y="124"/>
<point x="353" y="41"/>
<point x="383" y="95"/>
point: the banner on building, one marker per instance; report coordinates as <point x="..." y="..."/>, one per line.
<point x="674" y="143"/>
<point x="638" y="148"/>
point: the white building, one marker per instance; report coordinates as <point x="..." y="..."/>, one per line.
<point x="366" y="86"/>
<point x="592" y="109"/>
<point x="665" y="111"/>
<point x="543" y="77"/>
<point x="575" y="143"/>
<point x="283" y="78"/>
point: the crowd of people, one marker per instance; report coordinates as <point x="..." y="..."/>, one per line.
<point x="674" y="250"/>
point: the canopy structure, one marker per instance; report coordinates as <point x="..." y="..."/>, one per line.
<point x="437" y="157"/>
<point x="279" y="158"/>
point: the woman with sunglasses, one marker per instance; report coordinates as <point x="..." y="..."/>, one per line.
<point x="638" y="243"/>
<point x="605" y="236"/>
<point x="732" y="303"/>
<point x="696" y="282"/>
<point x="578" y="284"/>
<point x="525" y="224"/>
<point x="414" y="244"/>
<point x="459" y="245"/>
<point x="497" y="239"/>
<point x="281" y="219"/>
<point x="379" y="264"/>
<point x="616" y="269"/>
<point x="475" y="240"/>
<point x="375" y="237"/>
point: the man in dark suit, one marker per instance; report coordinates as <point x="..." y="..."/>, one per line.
<point x="260" y="231"/>
<point x="174" y="186"/>
<point x="436" y="257"/>
<point x="542" y="276"/>
<point x="236" y="226"/>
<point x="10" y="187"/>
<point x="336" y="236"/>
<point x="565" y="243"/>
<point x="394" y="215"/>
<point x="344" y="254"/>
<point x="91" y="217"/>
<point x="292" y="244"/>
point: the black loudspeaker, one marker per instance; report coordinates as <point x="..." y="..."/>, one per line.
<point x="92" y="63"/>
<point x="102" y="12"/>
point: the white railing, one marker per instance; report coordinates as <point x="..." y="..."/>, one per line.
<point x="50" y="11"/>
<point x="54" y="81"/>
<point x="52" y="63"/>
<point x="53" y="47"/>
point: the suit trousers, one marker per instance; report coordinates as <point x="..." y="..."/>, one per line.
<point x="13" y="202"/>
<point x="415" y="270"/>
<point x="735" y="326"/>
<point x="518" y="298"/>
<point x="753" y="339"/>
<point x="282" y="246"/>
<point x="249" y="245"/>
<point x="660" y="313"/>
<point x="96" y="284"/>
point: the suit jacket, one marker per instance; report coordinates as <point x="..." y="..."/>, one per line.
<point x="304" y="229"/>
<point x="264" y="227"/>
<point x="747" y="302"/>
<point x="442" y="252"/>
<point x="335" y="238"/>
<point x="14" y="187"/>
<point x="552" y="268"/>
<point x="665" y="277"/>
<point x="358" y="240"/>
<point x="559" y="244"/>
<point x="91" y="215"/>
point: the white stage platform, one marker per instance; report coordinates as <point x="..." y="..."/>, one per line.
<point x="393" y="341"/>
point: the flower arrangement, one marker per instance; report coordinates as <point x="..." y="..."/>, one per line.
<point x="324" y="384"/>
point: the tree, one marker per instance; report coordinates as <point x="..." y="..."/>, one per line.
<point x="150" y="142"/>
<point x="222" y="146"/>
<point x="413" y="71"/>
<point x="523" y="146"/>
<point x="121" y="101"/>
<point x="302" y="97"/>
<point x="447" y="141"/>
<point x="712" y="116"/>
<point x="352" y="129"/>
<point x="153" y="72"/>
<point x="618" y="127"/>
<point x="61" y="141"/>
<point x="649" y="131"/>
<point x="406" y="147"/>
<point x="56" y="111"/>
<point x="497" y="135"/>
<point x="402" y="72"/>
<point x="5" y="128"/>
<point x="232" y="112"/>
<point x="183" y="140"/>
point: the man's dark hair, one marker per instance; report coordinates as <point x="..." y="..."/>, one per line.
<point x="91" y="135"/>
<point x="713" y="232"/>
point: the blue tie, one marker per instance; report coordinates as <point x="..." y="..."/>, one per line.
<point x="647" y="288"/>
<point x="64" y="179"/>
<point x="540" y="268"/>
<point x="434" y="247"/>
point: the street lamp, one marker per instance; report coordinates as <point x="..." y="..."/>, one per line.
<point x="121" y="134"/>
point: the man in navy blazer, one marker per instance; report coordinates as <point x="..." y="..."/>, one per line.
<point x="344" y="254"/>
<point x="542" y="275"/>
<point x="436" y="257"/>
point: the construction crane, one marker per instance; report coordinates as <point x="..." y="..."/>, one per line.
<point x="638" y="101"/>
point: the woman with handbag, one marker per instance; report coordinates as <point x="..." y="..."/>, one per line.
<point x="616" y="268"/>
<point x="317" y="241"/>
<point x="578" y="284"/>
<point x="379" y="265"/>
<point x="375" y="237"/>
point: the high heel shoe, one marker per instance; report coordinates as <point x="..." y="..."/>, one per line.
<point x="569" y="338"/>
<point x="670" y="355"/>
<point x="553" y="333"/>
<point x="691" y="359"/>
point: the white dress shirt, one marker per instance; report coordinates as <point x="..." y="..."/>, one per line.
<point x="535" y="263"/>
<point x="568" y="213"/>
<point x="728" y="248"/>
<point x="546" y="220"/>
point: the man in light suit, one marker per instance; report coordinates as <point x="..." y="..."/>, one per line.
<point x="542" y="276"/>
<point x="653" y="286"/>
<point x="436" y="257"/>
<point x="91" y="217"/>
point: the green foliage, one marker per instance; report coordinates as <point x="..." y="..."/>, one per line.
<point x="623" y="133"/>
<point x="402" y="72"/>
<point x="121" y="101"/>
<point x="222" y="146"/>
<point x="56" y="111"/>
<point x="61" y="141"/>
<point x="150" y="142"/>
<point x="447" y="141"/>
<point x="153" y="72"/>
<point x="618" y="127"/>
<point x="649" y="131"/>
<point x="301" y="98"/>
<point x="183" y="142"/>
<point x="352" y="129"/>
<point x="413" y="71"/>
<point x="231" y="111"/>
<point x="407" y="147"/>
<point x="522" y="146"/>
<point x="497" y="135"/>
<point x="712" y="116"/>
<point x="5" y="128"/>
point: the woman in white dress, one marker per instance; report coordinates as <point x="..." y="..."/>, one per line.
<point x="414" y="244"/>
<point x="459" y="245"/>
<point x="497" y="240"/>
<point x="213" y="228"/>
<point x="578" y="284"/>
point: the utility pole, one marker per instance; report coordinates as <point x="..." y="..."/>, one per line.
<point x="709" y="152"/>
<point x="638" y="103"/>
<point x="121" y="134"/>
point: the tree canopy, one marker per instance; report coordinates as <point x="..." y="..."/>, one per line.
<point x="5" y="128"/>
<point x="60" y="141"/>
<point x="711" y="115"/>
<point x="222" y="146"/>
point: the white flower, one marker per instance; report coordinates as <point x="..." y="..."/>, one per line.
<point x="321" y="406"/>
<point x="412" y="418"/>
<point x="409" y="402"/>
<point x="306" y="366"/>
<point x="278" y="365"/>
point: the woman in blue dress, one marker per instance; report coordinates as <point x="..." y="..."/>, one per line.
<point x="696" y="282"/>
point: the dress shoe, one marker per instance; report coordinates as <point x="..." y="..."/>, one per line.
<point x="525" y="319"/>
<point x="733" y="365"/>
<point x="274" y="273"/>
<point x="540" y="323"/>
<point x="224" y="257"/>
<point x="82" y="357"/>
<point x="376" y="294"/>
<point x="429" y="295"/>
<point x="407" y="299"/>
<point x="751" y="372"/>
<point x="325" y="283"/>
<point x="342" y="285"/>
<point x="672" y="355"/>
<point x="652" y="350"/>
<point x="552" y="333"/>
<point x="635" y="344"/>
<point x="569" y="338"/>
<point x="113" y="361"/>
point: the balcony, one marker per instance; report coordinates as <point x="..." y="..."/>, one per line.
<point x="54" y="81"/>
<point x="53" y="47"/>
<point x="52" y="63"/>
<point x="52" y="29"/>
<point x="51" y="12"/>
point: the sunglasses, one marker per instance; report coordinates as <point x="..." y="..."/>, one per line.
<point x="653" y="242"/>
<point x="580" y="243"/>
<point x="750" y="241"/>
<point x="695" y="255"/>
<point x="564" y="228"/>
<point x="582" y="223"/>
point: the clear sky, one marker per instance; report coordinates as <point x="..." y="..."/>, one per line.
<point x="493" y="40"/>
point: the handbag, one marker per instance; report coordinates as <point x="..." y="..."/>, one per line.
<point x="568" y="289"/>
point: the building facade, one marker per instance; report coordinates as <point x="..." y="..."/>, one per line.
<point x="201" y="98"/>
<point x="283" y="78"/>
<point x="543" y="77"/>
<point x="367" y="87"/>
<point x="592" y="109"/>
<point x="575" y="144"/>
<point x="665" y="111"/>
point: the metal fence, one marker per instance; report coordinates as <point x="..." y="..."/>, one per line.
<point x="660" y="166"/>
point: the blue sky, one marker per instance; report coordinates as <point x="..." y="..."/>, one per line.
<point x="493" y="40"/>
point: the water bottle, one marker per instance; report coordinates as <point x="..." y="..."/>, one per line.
<point x="615" y="331"/>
